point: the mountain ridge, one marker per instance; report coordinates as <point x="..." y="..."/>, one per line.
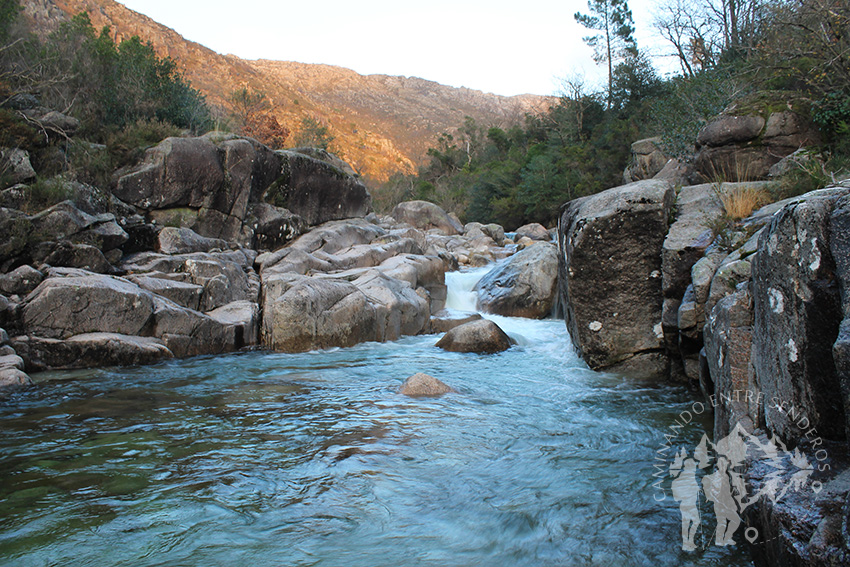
<point x="382" y="124"/>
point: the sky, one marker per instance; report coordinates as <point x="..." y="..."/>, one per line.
<point x="503" y="47"/>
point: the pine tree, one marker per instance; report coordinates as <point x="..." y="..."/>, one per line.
<point x="614" y="38"/>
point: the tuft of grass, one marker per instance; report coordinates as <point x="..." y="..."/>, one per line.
<point x="43" y="193"/>
<point x="740" y="200"/>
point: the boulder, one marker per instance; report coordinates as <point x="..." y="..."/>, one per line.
<point x="244" y="318"/>
<point x="317" y="191"/>
<point x="745" y="147"/>
<point x="689" y="236"/>
<point x="178" y="172"/>
<point x="447" y="319"/>
<point x="610" y="276"/>
<point x="398" y="309"/>
<point x="274" y="226"/>
<point x="182" y="293"/>
<point x="424" y="385"/>
<point x="12" y="378"/>
<point x="534" y="231"/>
<point x="524" y="286"/>
<point x="61" y="307"/>
<point x="302" y="313"/>
<point x="21" y="281"/>
<point x="15" y="166"/>
<point x="90" y="350"/>
<point x="839" y="245"/>
<point x="483" y="337"/>
<point x="646" y="161"/>
<point x="426" y="216"/>
<point x="68" y="255"/>
<point x="728" y="343"/>
<point x="185" y="241"/>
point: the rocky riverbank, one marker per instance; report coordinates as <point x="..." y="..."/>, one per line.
<point x="217" y="243"/>
<point x="756" y="313"/>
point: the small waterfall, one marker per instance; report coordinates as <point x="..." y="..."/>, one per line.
<point x="460" y="295"/>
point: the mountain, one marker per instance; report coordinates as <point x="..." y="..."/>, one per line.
<point x="381" y="124"/>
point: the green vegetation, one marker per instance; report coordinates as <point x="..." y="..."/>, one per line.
<point x="761" y="56"/>
<point x="124" y="96"/>
<point x="314" y="134"/>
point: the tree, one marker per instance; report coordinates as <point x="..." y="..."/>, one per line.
<point x="252" y="112"/>
<point x="313" y="134"/>
<point x="614" y="38"/>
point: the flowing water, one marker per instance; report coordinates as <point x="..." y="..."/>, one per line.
<point x="266" y="459"/>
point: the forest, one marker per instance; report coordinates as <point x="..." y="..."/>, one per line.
<point x="746" y="52"/>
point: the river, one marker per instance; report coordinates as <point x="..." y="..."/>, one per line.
<point x="265" y="459"/>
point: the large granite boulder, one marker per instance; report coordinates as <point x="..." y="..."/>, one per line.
<point x="318" y="191"/>
<point x="426" y="216"/>
<point x="610" y="276"/>
<point x="237" y="189"/>
<point x="62" y="307"/>
<point x="482" y="337"/>
<point x="301" y="313"/>
<point x="524" y="286"/>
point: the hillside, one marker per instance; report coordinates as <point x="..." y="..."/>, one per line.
<point x="381" y="124"/>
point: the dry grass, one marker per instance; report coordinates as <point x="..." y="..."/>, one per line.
<point x="740" y="200"/>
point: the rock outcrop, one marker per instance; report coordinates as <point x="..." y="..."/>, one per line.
<point x="779" y="336"/>
<point x="611" y="278"/>
<point x="739" y="146"/>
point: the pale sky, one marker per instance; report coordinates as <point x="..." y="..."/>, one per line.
<point x="496" y="46"/>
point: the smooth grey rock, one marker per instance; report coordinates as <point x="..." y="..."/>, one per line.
<point x="524" y="286"/>
<point x="302" y="313"/>
<point x="244" y="317"/>
<point x="182" y="293"/>
<point x="424" y="385"/>
<point x="534" y="231"/>
<point x="446" y="320"/>
<point x="275" y="226"/>
<point x="483" y="337"/>
<point x="426" y="216"/>
<point x="646" y="161"/>
<point x="728" y="345"/>
<point x="68" y="255"/>
<point x="65" y="306"/>
<point x="317" y="191"/>
<point x="688" y="237"/>
<point x="185" y="241"/>
<point x="15" y="164"/>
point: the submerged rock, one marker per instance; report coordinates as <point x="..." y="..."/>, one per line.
<point x="483" y="337"/>
<point x="424" y="385"/>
